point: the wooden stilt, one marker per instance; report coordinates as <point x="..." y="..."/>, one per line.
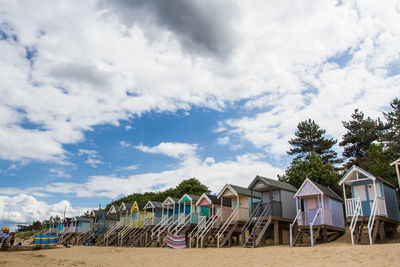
<point x="276" y="232"/>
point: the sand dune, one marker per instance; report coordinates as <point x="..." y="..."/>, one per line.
<point x="333" y="254"/>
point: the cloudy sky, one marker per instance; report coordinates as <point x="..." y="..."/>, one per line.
<point x="100" y="99"/>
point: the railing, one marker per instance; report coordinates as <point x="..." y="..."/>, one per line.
<point x="118" y="225"/>
<point x="213" y="223"/>
<point x="226" y="224"/>
<point x="351" y="205"/>
<point x="298" y="216"/>
<point x="357" y="212"/>
<point x="187" y="220"/>
<point x="251" y="220"/>
<point x="170" y="222"/>
<point x="267" y="211"/>
<point x="158" y="226"/>
<point x="319" y="213"/>
<point x="173" y="223"/>
<point x="371" y="221"/>
<point x="126" y="230"/>
<point x="199" y="227"/>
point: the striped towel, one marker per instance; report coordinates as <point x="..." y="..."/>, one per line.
<point x="176" y="241"/>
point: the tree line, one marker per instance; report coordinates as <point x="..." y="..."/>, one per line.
<point x="371" y="144"/>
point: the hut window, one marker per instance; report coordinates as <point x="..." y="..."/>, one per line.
<point x="312" y="203"/>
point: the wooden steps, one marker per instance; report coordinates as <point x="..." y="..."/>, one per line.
<point x="227" y="234"/>
<point x="258" y="231"/>
<point x="303" y="237"/>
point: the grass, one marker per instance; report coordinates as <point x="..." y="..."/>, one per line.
<point x="25" y="234"/>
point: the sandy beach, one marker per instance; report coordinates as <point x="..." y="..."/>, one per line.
<point x="334" y="254"/>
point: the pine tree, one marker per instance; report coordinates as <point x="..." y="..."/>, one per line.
<point x="310" y="137"/>
<point x="392" y="136"/>
<point x="361" y="133"/>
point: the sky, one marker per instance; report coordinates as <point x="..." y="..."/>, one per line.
<point x="101" y="99"/>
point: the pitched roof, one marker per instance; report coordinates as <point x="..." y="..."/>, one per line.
<point x="244" y="191"/>
<point x="273" y="183"/>
<point x="141" y="205"/>
<point x="327" y="191"/>
<point x="364" y="172"/>
<point x="217" y="201"/>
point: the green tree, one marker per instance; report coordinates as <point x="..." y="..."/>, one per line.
<point x="361" y="133"/>
<point x="392" y="136"/>
<point x="313" y="168"/>
<point x="377" y="162"/>
<point x="190" y="186"/>
<point x="310" y="137"/>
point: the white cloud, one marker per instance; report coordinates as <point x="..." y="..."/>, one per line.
<point x="24" y="208"/>
<point x="92" y="157"/>
<point x="239" y="170"/>
<point x="59" y="173"/>
<point x="80" y="75"/>
<point x="124" y="144"/>
<point x="175" y="150"/>
<point x="128" y="168"/>
<point x="223" y="140"/>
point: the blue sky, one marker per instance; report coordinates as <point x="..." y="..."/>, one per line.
<point x="99" y="99"/>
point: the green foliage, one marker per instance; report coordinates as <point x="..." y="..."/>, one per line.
<point x="313" y="168"/>
<point x="377" y="162"/>
<point x="190" y="186"/>
<point x="310" y="137"/>
<point x="392" y="136"/>
<point x="361" y="133"/>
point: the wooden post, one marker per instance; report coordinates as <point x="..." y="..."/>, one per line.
<point x="325" y="234"/>
<point x="276" y="232"/>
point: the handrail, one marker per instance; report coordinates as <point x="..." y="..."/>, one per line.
<point x="311" y="226"/>
<point x="215" y="219"/>
<point x="353" y="222"/>
<point x="127" y="228"/>
<point x="160" y="224"/>
<point x="115" y="227"/>
<point x="187" y="220"/>
<point x="250" y="220"/>
<point x="291" y="226"/>
<point x="261" y="218"/>
<point x="173" y="223"/>
<point x="196" y="230"/>
<point x="372" y="218"/>
<point x="227" y="223"/>
<point x="167" y="226"/>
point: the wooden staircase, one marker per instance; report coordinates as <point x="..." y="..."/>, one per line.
<point x="257" y="233"/>
<point x="303" y="237"/>
<point x="261" y="225"/>
<point x="361" y="233"/>
<point x="209" y="239"/>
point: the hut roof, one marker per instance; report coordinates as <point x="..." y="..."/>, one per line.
<point x="327" y="191"/>
<point x="272" y="183"/>
<point x="354" y="168"/>
<point x="240" y="191"/>
<point x="217" y="201"/>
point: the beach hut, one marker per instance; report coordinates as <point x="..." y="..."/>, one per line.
<point x="228" y="223"/>
<point x="208" y="206"/>
<point x="113" y="209"/>
<point x="319" y="215"/>
<point x="136" y="221"/>
<point x="169" y="216"/>
<point x="277" y="207"/>
<point x="187" y="216"/>
<point x="372" y="210"/>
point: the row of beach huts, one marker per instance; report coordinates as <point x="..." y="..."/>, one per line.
<point x="266" y="212"/>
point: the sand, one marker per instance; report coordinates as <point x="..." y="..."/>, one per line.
<point x="333" y="254"/>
